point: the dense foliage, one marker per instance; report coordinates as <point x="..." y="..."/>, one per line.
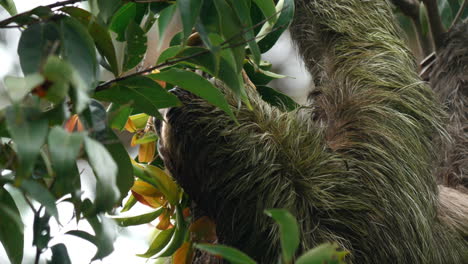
<point x="63" y="109"/>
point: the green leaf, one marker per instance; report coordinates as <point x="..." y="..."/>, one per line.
<point x="423" y="18"/>
<point x="95" y="119"/>
<point x="36" y="43"/>
<point x="105" y="169"/>
<point x="261" y="75"/>
<point x="289" y="232"/>
<point x="325" y="253"/>
<point x="287" y="13"/>
<point x="139" y="219"/>
<point x="120" y="156"/>
<point x="446" y="13"/>
<point x="129" y="204"/>
<point x="208" y="23"/>
<point x="231" y="30"/>
<point x="136" y="46"/>
<point x="107" y="8"/>
<point x="276" y="98"/>
<point x="118" y="116"/>
<point x="58" y="74"/>
<point x="105" y="230"/>
<point x="28" y="130"/>
<point x="64" y="149"/>
<point x="59" y="255"/>
<point x="41" y="230"/>
<point x="189" y="12"/>
<point x="195" y="84"/>
<point x="18" y="87"/>
<point x="230" y="254"/>
<point x="164" y="19"/>
<point x="11" y="228"/>
<point x="156" y="7"/>
<point x="173" y="52"/>
<point x="83" y="235"/>
<point x="121" y="19"/>
<point x="159" y="179"/>
<point x="104" y="238"/>
<point x="147" y="138"/>
<point x="78" y="49"/>
<point x="141" y="93"/>
<point x="99" y="33"/>
<point x="207" y="61"/>
<point x="41" y="194"/>
<point x="158" y="243"/>
<point x="243" y="11"/>
<point x="9" y="6"/>
<point x="268" y="9"/>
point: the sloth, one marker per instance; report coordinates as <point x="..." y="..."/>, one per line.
<point x="355" y="167"/>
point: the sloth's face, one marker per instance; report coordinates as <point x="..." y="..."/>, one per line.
<point x="178" y="141"/>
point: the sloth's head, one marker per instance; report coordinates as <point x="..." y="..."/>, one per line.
<point x="188" y="139"/>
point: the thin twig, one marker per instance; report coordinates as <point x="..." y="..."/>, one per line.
<point x="106" y="85"/>
<point x="30" y="204"/>
<point x="38" y="255"/>
<point x="9" y="20"/>
<point x="460" y="12"/>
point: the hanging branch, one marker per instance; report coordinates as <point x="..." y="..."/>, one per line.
<point x="107" y="84"/>
<point x="4" y="23"/>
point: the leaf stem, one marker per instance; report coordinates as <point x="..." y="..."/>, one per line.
<point x="4" y="23"/>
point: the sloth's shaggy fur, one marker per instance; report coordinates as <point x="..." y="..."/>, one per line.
<point x="448" y="76"/>
<point x="354" y="168"/>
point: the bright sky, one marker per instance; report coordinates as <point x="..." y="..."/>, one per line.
<point x="131" y="241"/>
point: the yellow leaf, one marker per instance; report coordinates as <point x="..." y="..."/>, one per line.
<point x="146" y="152"/>
<point x="153" y="202"/>
<point x="134" y="139"/>
<point x="145" y="189"/>
<point x="73" y="124"/>
<point x="165" y="220"/>
<point x="164" y="183"/>
<point x="129" y="126"/>
<point x="184" y="255"/>
<point x="139" y="121"/>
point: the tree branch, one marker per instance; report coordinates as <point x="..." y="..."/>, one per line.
<point x="106" y="85"/>
<point x="435" y="22"/>
<point x="9" y="20"/>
